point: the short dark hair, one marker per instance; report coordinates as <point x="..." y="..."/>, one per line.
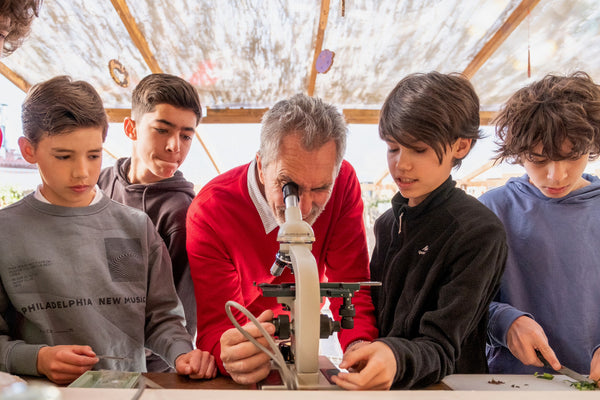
<point x="433" y="108"/>
<point x="315" y="121"/>
<point x="61" y="105"/>
<point x="157" y="89"/>
<point x="21" y="14"/>
<point x="551" y="111"/>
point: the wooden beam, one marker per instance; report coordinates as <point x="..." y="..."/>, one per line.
<point x="213" y="116"/>
<point x="488" y="49"/>
<point x="318" y="45"/>
<point x="212" y="160"/>
<point x="117" y="115"/>
<point x="254" y="115"/>
<point x="381" y="178"/>
<point x="488" y="165"/>
<point x="355" y="116"/>
<point x="486" y="117"/>
<point x="15" y="78"/>
<point x="136" y="34"/>
<point x="234" y="116"/>
<point x="110" y="153"/>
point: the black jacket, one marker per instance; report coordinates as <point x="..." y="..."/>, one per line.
<point x="440" y="264"/>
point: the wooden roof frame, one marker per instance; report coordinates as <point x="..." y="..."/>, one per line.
<point x="250" y="115"/>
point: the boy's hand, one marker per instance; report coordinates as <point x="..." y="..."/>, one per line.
<point x="595" y="367"/>
<point x="64" y="364"/>
<point x="378" y="368"/>
<point x="245" y="362"/>
<point x="525" y="336"/>
<point x="197" y="364"/>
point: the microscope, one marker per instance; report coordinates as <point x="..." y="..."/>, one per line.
<point x="305" y="325"/>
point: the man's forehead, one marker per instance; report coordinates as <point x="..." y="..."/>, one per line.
<point x="305" y="176"/>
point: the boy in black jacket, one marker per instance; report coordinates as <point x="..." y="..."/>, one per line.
<point x="165" y="111"/>
<point x="438" y="252"/>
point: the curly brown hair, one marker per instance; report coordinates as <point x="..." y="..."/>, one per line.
<point x="551" y="111"/>
<point x="21" y="14"/>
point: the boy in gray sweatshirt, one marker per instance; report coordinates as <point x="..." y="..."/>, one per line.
<point x="81" y="275"/>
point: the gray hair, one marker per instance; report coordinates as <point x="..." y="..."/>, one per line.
<point x="314" y="121"/>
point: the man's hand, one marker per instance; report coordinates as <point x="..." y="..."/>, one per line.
<point x="64" y="364"/>
<point x="595" y="367"/>
<point x="525" y="336"/>
<point x="245" y="362"/>
<point x="375" y="365"/>
<point x="197" y="364"/>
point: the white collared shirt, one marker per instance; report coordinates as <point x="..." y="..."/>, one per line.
<point x="264" y="211"/>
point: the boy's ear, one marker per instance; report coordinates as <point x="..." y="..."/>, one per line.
<point x="27" y="150"/>
<point x="461" y="147"/>
<point x="129" y="127"/>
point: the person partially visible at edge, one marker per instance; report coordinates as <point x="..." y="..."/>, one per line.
<point x="16" y="17"/>
<point x="233" y="222"/>
<point x="549" y="299"/>
<point x="165" y="112"/>
<point x="439" y="253"/>
<point x="82" y="276"/>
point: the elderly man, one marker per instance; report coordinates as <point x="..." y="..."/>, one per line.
<point x="232" y="228"/>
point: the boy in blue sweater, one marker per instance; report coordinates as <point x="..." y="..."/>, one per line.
<point x="549" y="298"/>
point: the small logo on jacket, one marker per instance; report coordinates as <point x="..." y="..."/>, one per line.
<point x="424" y="250"/>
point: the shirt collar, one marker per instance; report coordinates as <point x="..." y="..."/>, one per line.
<point x="39" y="196"/>
<point x="264" y="211"/>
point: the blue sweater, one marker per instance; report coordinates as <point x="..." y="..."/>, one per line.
<point x="552" y="272"/>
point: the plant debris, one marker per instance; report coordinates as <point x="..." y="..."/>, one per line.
<point x="495" y="382"/>
<point x="583" y="385"/>
<point x="545" y="375"/>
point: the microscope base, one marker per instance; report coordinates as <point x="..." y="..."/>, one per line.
<point x="326" y="370"/>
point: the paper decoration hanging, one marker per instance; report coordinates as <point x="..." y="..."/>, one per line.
<point x="118" y="73"/>
<point x="325" y="61"/>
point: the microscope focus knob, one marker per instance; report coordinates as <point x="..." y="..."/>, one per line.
<point x="282" y="326"/>
<point x="347" y="313"/>
<point x="328" y="326"/>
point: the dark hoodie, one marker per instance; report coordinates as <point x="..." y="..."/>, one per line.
<point x="166" y="203"/>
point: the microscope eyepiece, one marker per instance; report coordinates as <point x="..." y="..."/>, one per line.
<point x="290" y="188"/>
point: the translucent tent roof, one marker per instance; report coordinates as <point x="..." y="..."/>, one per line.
<point x="244" y="55"/>
<point x="251" y="53"/>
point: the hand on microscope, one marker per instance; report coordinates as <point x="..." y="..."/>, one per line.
<point x="245" y="362"/>
<point x="370" y="365"/>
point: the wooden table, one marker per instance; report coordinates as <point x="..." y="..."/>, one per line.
<point x="174" y="381"/>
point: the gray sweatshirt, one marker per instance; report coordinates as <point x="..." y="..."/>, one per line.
<point x="97" y="275"/>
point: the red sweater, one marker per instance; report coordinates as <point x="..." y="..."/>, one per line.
<point x="228" y="251"/>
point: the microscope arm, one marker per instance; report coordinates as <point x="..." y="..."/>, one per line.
<point x="307" y="313"/>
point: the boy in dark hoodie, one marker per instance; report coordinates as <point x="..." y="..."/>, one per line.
<point x="165" y="112"/>
<point x="549" y="298"/>
<point x="439" y="253"/>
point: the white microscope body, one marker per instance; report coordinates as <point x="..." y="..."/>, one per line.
<point x="296" y="238"/>
<point x="304" y="297"/>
